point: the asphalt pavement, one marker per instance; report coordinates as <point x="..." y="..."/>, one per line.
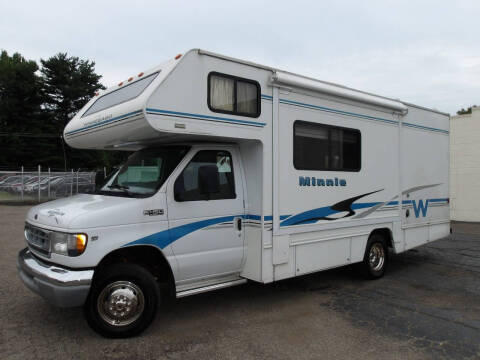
<point x="426" y="307"/>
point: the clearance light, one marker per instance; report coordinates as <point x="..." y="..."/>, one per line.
<point x="120" y="84"/>
<point x="141" y="74"/>
<point x="178" y="56"/>
<point x="130" y="79"/>
<point x="97" y="93"/>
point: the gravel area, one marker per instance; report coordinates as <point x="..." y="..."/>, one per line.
<point x="426" y="307"/>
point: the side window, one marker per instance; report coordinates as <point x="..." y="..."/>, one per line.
<point x="208" y="176"/>
<point x="233" y="95"/>
<point x="325" y="147"/>
<point x="121" y="95"/>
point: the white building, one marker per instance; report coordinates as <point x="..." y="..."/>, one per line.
<point x="465" y="166"/>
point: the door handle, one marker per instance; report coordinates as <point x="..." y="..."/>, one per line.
<point x="238" y="224"/>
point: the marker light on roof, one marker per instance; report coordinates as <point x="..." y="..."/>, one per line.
<point x="178" y="56"/>
<point x="120" y="84"/>
<point x="141" y="74"/>
<point x="130" y="79"/>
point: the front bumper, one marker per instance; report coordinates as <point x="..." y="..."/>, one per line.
<point x="59" y="286"/>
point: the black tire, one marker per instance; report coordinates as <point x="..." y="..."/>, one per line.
<point x="374" y="265"/>
<point x="123" y="284"/>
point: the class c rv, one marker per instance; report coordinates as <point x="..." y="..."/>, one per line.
<point x="238" y="172"/>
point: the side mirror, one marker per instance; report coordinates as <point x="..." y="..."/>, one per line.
<point x="208" y="179"/>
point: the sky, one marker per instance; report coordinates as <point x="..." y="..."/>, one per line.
<point x="423" y="52"/>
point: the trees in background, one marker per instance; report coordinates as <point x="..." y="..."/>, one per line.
<point x="463" y="111"/>
<point x="35" y="105"/>
<point x="21" y="114"/>
<point x="68" y="84"/>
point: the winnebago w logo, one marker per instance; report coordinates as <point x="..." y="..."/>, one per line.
<point x="420" y="207"/>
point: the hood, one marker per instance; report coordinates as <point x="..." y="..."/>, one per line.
<point x="85" y="211"/>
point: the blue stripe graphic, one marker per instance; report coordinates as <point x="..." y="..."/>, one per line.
<point x="164" y="238"/>
<point x="438" y="200"/>
<point x="266" y="218"/>
<point x="101" y="123"/>
<point x="424" y="127"/>
<point x="312" y="216"/>
<point x="253" y="123"/>
<point x="341" y="112"/>
<point x="205" y="117"/>
<point x="408" y="202"/>
<point x="363" y="116"/>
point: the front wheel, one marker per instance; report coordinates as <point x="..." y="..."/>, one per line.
<point x="376" y="257"/>
<point x="122" y="301"/>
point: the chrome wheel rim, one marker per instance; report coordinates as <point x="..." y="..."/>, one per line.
<point x="376" y="257"/>
<point x="120" y="303"/>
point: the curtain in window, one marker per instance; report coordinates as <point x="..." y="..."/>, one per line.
<point x="311" y="131"/>
<point x="246" y="98"/>
<point x="221" y="93"/>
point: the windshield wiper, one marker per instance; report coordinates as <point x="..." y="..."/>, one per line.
<point x="118" y="186"/>
<point x="124" y="189"/>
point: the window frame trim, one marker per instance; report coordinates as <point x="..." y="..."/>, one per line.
<point x="235" y="80"/>
<point x="188" y="163"/>
<point x="329" y="127"/>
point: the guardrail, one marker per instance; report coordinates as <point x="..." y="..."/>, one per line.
<point x="39" y="186"/>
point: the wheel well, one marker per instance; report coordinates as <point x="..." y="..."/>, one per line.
<point x="386" y="233"/>
<point x="147" y="256"/>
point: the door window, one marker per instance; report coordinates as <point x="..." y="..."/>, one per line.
<point x="208" y="176"/>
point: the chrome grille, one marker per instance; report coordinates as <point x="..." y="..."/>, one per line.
<point x="37" y="239"/>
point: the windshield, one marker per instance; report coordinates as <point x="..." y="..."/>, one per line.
<point x="144" y="172"/>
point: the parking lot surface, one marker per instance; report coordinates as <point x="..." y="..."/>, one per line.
<point x="426" y="307"/>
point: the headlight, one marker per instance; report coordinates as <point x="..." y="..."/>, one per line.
<point x="68" y="244"/>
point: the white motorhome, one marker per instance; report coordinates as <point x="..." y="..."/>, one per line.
<point x="240" y="172"/>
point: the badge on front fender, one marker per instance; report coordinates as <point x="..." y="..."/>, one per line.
<point x="153" y="212"/>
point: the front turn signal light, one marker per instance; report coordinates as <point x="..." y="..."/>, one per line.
<point x="81" y="243"/>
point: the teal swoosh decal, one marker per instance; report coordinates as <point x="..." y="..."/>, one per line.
<point x="164" y="238"/>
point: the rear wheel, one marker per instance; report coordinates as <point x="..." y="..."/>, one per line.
<point x="122" y="301"/>
<point x="376" y="257"/>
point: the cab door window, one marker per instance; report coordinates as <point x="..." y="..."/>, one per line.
<point x="208" y="176"/>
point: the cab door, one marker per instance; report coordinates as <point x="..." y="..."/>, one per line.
<point x="205" y="214"/>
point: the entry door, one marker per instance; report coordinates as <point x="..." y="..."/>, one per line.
<point x="205" y="213"/>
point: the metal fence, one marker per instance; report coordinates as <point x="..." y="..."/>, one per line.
<point x="41" y="185"/>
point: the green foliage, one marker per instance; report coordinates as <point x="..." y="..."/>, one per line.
<point x="468" y="111"/>
<point x="36" y="104"/>
<point x="20" y="97"/>
<point x="68" y="84"/>
<point x="20" y="108"/>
